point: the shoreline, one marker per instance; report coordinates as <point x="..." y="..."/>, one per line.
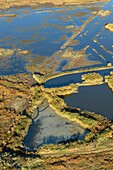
<point x="23" y="96"/>
<point x="6" y="4"/>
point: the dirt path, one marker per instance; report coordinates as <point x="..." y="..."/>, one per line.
<point x="84" y="150"/>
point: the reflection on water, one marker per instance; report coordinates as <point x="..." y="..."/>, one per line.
<point x="40" y="31"/>
<point x="48" y="128"/>
<point x="98" y="38"/>
<point x="98" y="99"/>
<point x="63" y="80"/>
<point x="72" y="78"/>
<point x="13" y="65"/>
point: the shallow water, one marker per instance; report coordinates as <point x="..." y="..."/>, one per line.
<point x="95" y="30"/>
<point x="39" y="30"/>
<point x="98" y="99"/>
<point x="48" y="128"/>
<point x="42" y="30"/>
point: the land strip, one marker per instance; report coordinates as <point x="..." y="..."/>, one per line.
<point x="78" y="31"/>
<point x="5" y="4"/>
<point x="79" y="151"/>
<point x="43" y="79"/>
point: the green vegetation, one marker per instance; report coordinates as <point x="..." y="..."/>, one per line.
<point x="19" y="133"/>
<point x="92" y="78"/>
<point x="20" y="96"/>
<point x="107" y="67"/>
<point x="86" y="119"/>
<point x="39" y="78"/>
<point x="100" y="129"/>
<point x="94" y="122"/>
<point x="109" y="80"/>
<point x="62" y="91"/>
<point x="37" y="98"/>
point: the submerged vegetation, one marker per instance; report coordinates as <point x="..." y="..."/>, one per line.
<point x="21" y="96"/>
<point x="5" y="53"/>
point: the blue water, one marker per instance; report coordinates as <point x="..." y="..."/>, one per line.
<point x="98" y="99"/>
<point x="40" y="31"/>
<point x="71" y="78"/>
<point x="49" y="128"/>
<point x="41" y="27"/>
<point x="63" y="80"/>
<point x="96" y="30"/>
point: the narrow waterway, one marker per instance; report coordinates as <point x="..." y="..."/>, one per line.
<point x="72" y="78"/>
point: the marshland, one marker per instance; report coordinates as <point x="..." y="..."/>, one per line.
<point x="56" y="84"/>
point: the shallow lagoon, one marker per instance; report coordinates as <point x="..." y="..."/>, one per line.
<point x="44" y="30"/>
<point x="48" y="128"/>
<point x="40" y="30"/>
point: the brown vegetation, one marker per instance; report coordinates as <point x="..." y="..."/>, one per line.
<point x="109" y="80"/>
<point x="105" y="13"/>
<point x="109" y="26"/>
<point x="22" y="3"/>
<point x="5" y="53"/>
<point x="14" y="98"/>
<point x="92" y="78"/>
<point x="14" y="90"/>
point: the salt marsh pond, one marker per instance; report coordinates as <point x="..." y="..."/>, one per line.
<point x="59" y="39"/>
<point x="98" y="99"/>
<point x="49" y="128"/>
